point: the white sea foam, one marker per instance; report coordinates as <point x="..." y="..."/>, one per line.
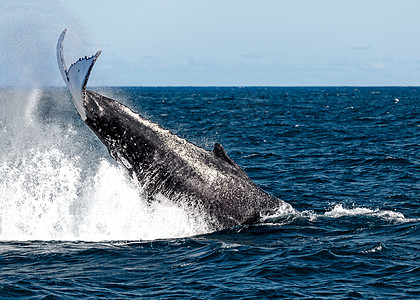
<point x="282" y="215"/>
<point x="377" y="248"/>
<point x="287" y="214"/>
<point x="339" y="210"/>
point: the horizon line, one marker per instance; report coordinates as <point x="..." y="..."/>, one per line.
<point x="213" y="86"/>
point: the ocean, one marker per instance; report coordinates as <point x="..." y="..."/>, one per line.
<point x="74" y="225"/>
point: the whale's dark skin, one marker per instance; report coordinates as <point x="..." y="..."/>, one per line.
<point x="208" y="182"/>
<point x="164" y="163"/>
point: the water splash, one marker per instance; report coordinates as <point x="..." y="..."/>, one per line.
<point x="54" y="187"/>
<point x="119" y="210"/>
<point x="44" y="197"/>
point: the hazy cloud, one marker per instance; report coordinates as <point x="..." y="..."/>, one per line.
<point x="360" y="48"/>
<point x="373" y="66"/>
<point x="252" y="55"/>
<point x="197" y="63"/>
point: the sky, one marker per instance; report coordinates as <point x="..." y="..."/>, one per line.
<point x="215" y="42"/>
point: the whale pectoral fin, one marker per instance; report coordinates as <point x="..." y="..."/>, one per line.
<point x="220" y="152"/>
<point x="76" y="76"/>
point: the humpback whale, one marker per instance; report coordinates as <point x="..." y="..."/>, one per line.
<point x="209" y="182"/>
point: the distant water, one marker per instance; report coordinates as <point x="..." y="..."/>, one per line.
<point x="73" y="224"/>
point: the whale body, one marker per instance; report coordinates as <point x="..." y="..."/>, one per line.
<point x="209" y="182"/>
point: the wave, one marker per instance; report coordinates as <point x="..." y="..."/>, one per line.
<point x="337" y="211"/>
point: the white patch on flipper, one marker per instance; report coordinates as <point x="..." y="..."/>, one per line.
<point x="76" y="76"/>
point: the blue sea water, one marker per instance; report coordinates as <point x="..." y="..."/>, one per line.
<point x="73" y="224"/>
